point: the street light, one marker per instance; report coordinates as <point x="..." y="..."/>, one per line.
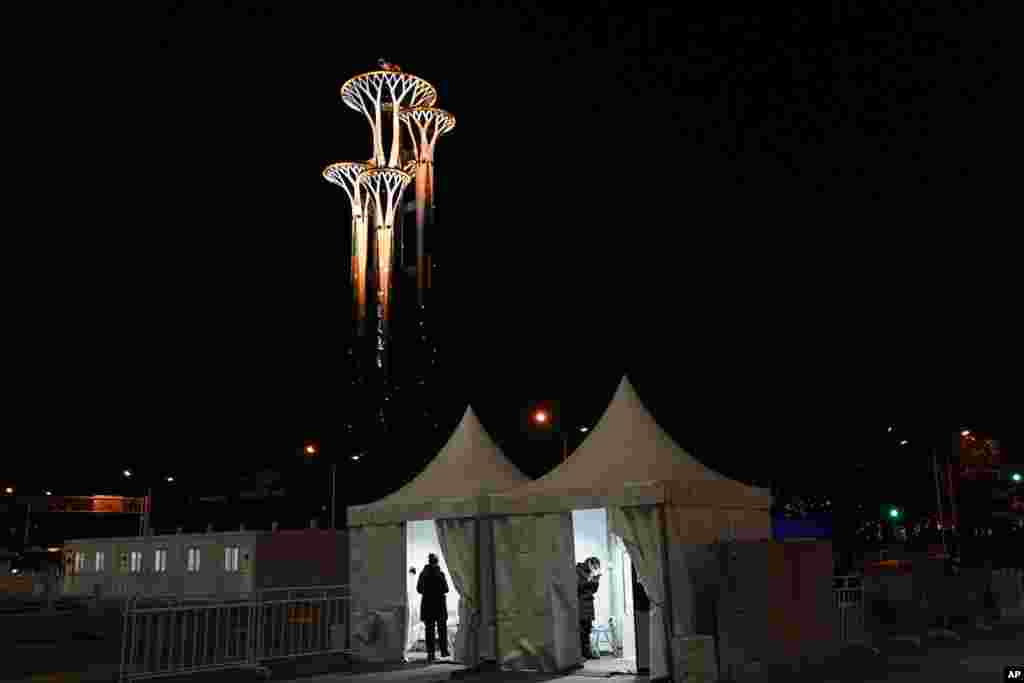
<point x="169" y="480"/>
<point x="9" y="490"/>
<point x="127" y="474"/>
<point x="904" y="442"/>
<point x="965" y="432"/>
<point x="542" y="417"/>
<point x="311" y="449"/>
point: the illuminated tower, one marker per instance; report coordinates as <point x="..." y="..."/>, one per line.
<point x="387" y="98"/>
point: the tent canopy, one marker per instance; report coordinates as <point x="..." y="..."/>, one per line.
<point x="454" y="484"/>
<point x="627" y="459"/>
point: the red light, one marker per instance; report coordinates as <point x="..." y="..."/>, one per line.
<point x="540" y="416"/>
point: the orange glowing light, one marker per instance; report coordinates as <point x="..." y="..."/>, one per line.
<point x="540" y="416"/>
<point x="311" y="449"/>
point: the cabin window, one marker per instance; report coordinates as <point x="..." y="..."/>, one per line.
<point x="136" y="561"/>
<point x="231" y="559"/>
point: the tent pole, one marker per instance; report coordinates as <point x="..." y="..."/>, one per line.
<point x="666" y="616"/>
<point x="494" y="581"/>
<point x="479" y="594"/>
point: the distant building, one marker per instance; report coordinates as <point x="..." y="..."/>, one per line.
<point x="223" y="563"/>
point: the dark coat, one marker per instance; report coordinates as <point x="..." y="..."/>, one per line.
<point x="432" y="585"/>
<point x="586" y="589"/>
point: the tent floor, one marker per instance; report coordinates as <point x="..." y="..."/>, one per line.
<point x="421" y="657"/>
<point x="607" y="666"/>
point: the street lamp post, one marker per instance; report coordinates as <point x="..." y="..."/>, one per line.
<point x="146" y="518"/>
<point x="542" y="417"/>
<point x="334" y="487"/>
<point x="311" y="450"/>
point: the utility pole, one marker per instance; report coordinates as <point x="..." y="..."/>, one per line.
<point x="938" y="500"/>
<point x="334" y="486"/>
<point x="28" y="520"/>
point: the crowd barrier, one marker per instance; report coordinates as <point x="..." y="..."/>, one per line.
<point x="189" y="636"/>
<point x="923" y="602"/>
<point x="848" y="601"/>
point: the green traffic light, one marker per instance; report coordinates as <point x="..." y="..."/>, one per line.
<point x="1016" y="477"/>
<point x="894" y="513"/>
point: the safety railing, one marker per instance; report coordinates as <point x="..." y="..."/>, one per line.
<point x="193" y="637"/>
<point x="848" y="601"/>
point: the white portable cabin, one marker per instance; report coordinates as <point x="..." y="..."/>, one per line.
<point x="452" y="492"/>
<point x="210" y="564"/>
<point x="653" y="492"/>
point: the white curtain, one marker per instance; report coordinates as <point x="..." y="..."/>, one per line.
<point x="412" y="628"/>
<point x="379" y="610"/>
<point x="536" y="607"/>
<point x="640" y="530"/>
<point x="457" y="538"/>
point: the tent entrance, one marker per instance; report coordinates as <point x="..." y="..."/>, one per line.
<point x="614" y="629"/>
<point x="421" y="540"/>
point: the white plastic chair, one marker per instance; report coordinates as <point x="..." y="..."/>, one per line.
<point x="598" y="634"/>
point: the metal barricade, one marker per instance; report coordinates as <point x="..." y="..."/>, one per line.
<point x="299" y="627"/>
<point x="848" y="601"/>
<point x="194" y="636"/>
<point x="1008" y="590"/>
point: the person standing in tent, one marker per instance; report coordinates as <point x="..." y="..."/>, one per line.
<point x="587" y="575"/>
<point x="433" y="585"/>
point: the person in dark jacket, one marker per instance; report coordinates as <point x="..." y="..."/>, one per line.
<point x="587" y="575"/>
<point x="433" y="586"/>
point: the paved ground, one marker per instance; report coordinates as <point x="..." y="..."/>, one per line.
<point x="978" y="657"/>
<point x="31" y="646"/>
<point x="39" y="646"/>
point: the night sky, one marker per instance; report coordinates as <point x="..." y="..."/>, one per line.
<point x="790" y="229"/>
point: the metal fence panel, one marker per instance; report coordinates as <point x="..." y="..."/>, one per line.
<point x="189" y="637"/>
<point x="848" y="601"/>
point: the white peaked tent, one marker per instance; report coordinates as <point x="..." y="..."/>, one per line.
<point x="451" y="490"/>
<point x="665" y="505"/>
